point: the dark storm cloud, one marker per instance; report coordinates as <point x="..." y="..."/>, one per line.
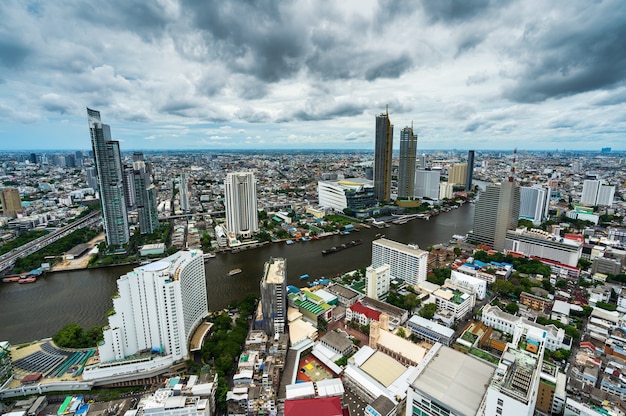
<point x="257" y="38"/>
<point x="12" y="53"/>
<point x="581" y="53"/>
<point x="455" y="11"/>
<point x="392" y="68"/>
<point x="145" y="18"/>
<point x="316" y="110"/>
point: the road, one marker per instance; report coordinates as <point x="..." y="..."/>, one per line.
<point x="7" y="260"/>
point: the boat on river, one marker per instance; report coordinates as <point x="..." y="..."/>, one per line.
<point x="234" y="272"/>
<point x="304" y="277"/>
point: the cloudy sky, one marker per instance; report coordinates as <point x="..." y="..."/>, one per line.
<point x="231" y="74"/>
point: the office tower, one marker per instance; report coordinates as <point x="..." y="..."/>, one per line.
<point x="422" y="163"/>
<point x="597" y="193"/>
<point x="378" y="281"/>
<point x="534" y="203"/>
<point x="129" y="188"/>
<point x="497" y="210"/>
<point x="382" y="157"/>
<point x="407" y="261"/>
<point x="33" y="158"/>
<point x="145" y="195"/>
<point x="353" y="193"/>
<point x="470" y="171"/>
<point x="457" y="174"/>
<point x="157" y="306"/>
<point x="242" y="216"/>
<point x="70" y="161"/>
<point x="92" y="178"/>
<point x="427" y="184"/>
<point x="183" y="188"/>
<point x="108" y="163"/>
<point x="6" y="365"/>
<point x="10" y="202"/>
<point x="406" y="167"/>
<point x="274" y="296"/>
<point x="138" y="157"/>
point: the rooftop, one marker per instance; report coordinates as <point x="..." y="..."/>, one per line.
<point x="275" y="271"/>
<point x="515" y="373"/>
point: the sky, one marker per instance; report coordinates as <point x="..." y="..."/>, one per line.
<point x="313" y="74"/>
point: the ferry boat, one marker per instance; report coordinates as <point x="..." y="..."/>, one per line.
<point x="304" y="277"/>
<point x="28" y="280"/>
<point x="234" y="272"/>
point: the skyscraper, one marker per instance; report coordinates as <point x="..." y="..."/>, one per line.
<point x="92" y="178"/>
<point x="240" y="200"/>
<point x="108" y="163"/>
<point x="145" y="195"/>
<point x="427" y="184"/>
<point x="457" y="174"/>
<point x="497" y="210"/>
<point x="534" y="203"/>
<point x="10" y="202"/>
<point x="274" y="296"/>
<point x="158" y="306"/>
<point x="406" y="168"/>
<point x="382" y="157"/>
<point x="470" y="171"/>
<point x="597" y="193"/>
<point x="129" y="187"/>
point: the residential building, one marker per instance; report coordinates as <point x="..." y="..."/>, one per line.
<point x="457" y="174"/>
<point x="157" y="306"/>
<point x="108" y="163"/>
<point x="353" y="193"/>
<point x="468" y="283"/>
<point x="240" y="200"/>
<point x="407" y="261"/>
<point x="128" y="180"/>
<point x="535" y="302"/>
<point x="470" y="171"/>
<point x="453" y="303"/>
<point x="427" y="184"/>
<point x="406" y="165"/>
<point x="534" y="203"/>
<point x="145" y="196"/>
<point x="497" y="211"/>
<point x="10" y="202"/>
<point x="517" y="326"/>
<point x="383" y="146"/>
<point x="595" y="192"/>
<point x="446" y="190"/>
<point x="92" y="177"/>
<point x="539" y="243"/>
<point x="274" y="296"/>
<point x="378" y="280"/>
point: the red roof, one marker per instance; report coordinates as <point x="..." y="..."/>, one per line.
<point x="328" y="406"/>
<point x="575" y="237"/>
<point x="364" y="310"/>
<point x="31" y="378"/>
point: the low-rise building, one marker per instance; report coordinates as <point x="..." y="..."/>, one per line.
<point x="430" y="331"/>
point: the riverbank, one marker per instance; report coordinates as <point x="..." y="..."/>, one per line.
<point x="81" y="262"/>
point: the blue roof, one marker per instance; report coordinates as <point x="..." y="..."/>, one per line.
<point x="293" y="289"/>
<point x="471" y="266"/>
<point x="480" y="263"/>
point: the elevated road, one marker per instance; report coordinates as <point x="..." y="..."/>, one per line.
<point x="8" y="259"/>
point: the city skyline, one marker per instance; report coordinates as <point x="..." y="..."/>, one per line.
<point x="233" y="76"/>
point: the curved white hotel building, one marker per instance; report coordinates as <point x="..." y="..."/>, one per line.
<point x="158" y="307"/>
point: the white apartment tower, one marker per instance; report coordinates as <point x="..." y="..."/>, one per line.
<point x="427" y="184"/>
<point x="378" y="281"/>
<point x="407" y="261"/>
<point x="597" y="193"/>
<point x="242" y="217"/>
<point x="158" y="306"/>
<point x="534" y="203"/>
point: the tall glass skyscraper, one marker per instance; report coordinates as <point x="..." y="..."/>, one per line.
<point x="382" y="157"/>
<point x="108" y="162"/>
<point x="145" y="195"/>
<point x="406" y="169"/>
<point x="242" y="216"/>
<point x="497" y="210"/>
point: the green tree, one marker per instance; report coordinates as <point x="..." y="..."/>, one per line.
<point x="401" y="332"/>
<point x="502" y="287"/>
<point x="428" y="311"/>
<point x="512" y="308"/>
<point x="583" y="263"/>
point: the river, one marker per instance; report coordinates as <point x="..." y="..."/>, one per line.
<point x="34" y="311"/>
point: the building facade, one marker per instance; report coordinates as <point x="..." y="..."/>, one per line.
<point x="407" y="261"/>
<point x="534" y="203"/>
<point x="10" y="202"/>
<point x="427" y="184"/>
<point x="378" y="281"/>
<point x="497" y="211"/>
<point x="184" y="192"/>
<point x="145" y="195"/>
<point x="157" y="307"/>
<point x="457" y="174"/>
<point x="274" y="296"/>
<point x="383" y="146"/>
<point x="353" y="193"/>
<point x="470" y="171"/>
<point x="106" y="153"/>
<point x="240" y="200"/>
<point x="406" y="165"/>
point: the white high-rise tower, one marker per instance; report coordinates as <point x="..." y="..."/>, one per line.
<point x="242" y="217"/>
